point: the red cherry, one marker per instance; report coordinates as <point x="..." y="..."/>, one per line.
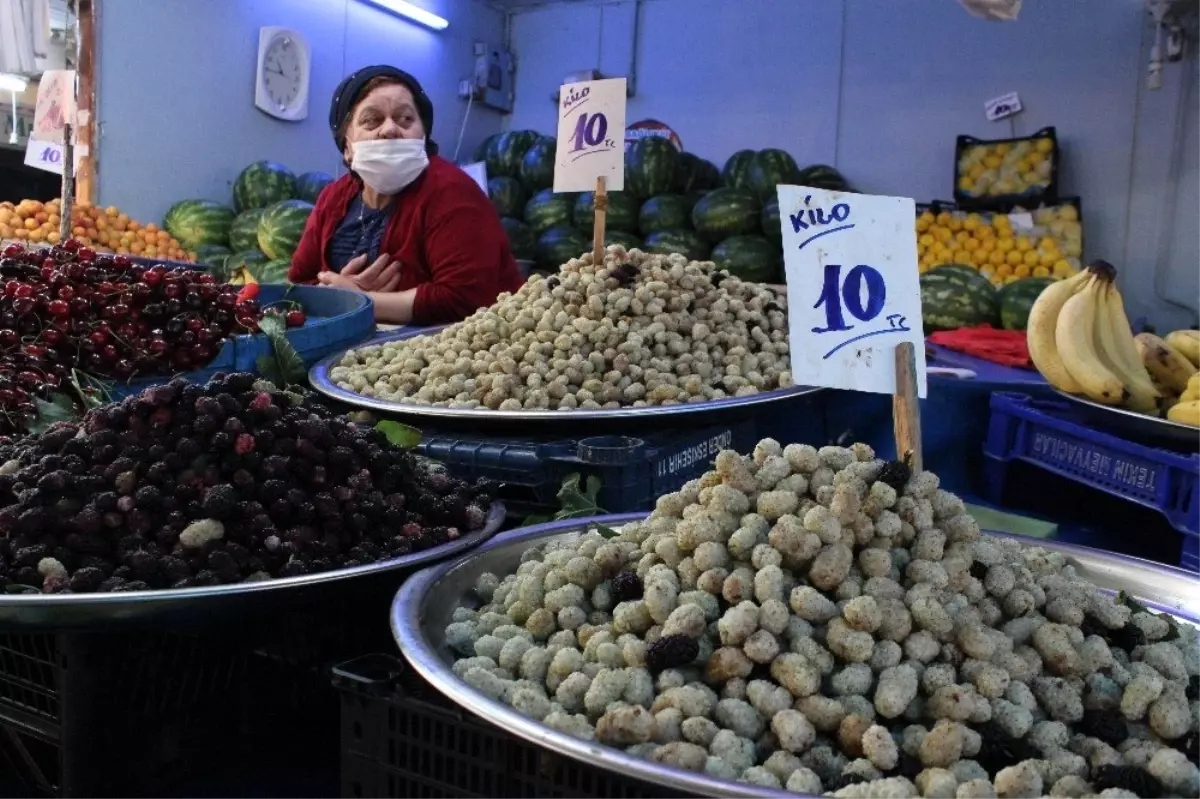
<point x="59" y="307"/>
<point x="35" y="350"/>
<point x="86" y="254"/>
<point x="295" y="318"/>
<point x="13" y="250"/>
<point x="24" y="305"/>
<point x="53" y="336"/>
<point x="10" y="288"/>
<point x="9" y="338"/>
<point x="99" y="337"/>
<point x="71" y="245"/>
<point x="123" y="261"/>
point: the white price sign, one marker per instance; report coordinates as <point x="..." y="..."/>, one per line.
<point x="591" y="135"/>
<point x="853" y="292"/>
<point x="54" y="110"/>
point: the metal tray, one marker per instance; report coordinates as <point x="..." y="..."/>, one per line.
<point x="1134" y="425"/>
<point x="318" y="376"/>
<point x="426" y="601"/>
<point x="46" y="612"/>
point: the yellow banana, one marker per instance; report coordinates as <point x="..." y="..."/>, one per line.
<point x="1075" y="334"/>
<point x="1186" y="413"/>
<point x="1040" y="332"/>
<point x="1164" y="362"/>
<point x="1188" y="344"/>
<point x="1115" y="347"/>
<point x="1193" y="388"/>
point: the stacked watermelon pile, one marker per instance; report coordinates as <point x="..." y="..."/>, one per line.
<point x="673" y="202"/>
<point x="254" y="239"/>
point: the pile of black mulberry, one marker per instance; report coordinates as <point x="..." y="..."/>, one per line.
<point x="226" y="482"/>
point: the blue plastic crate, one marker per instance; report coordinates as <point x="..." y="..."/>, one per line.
<point x="337" y="320"/>
<point x="633" y="472"/>
<point x="1048" y="434"/>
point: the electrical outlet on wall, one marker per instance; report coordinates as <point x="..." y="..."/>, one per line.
<point x="1002" y="107"/>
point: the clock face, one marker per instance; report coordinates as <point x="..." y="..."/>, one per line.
<point x="283" y="71"/>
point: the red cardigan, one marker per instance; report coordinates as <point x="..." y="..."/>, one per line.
<point x="445" y="233"/>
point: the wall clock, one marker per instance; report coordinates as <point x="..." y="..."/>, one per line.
<point x="282" y="74"/>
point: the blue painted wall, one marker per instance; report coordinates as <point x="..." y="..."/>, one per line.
<point x="881" y="89"/>
<point x="175" y="93"/>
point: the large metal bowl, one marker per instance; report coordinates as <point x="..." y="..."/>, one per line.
<point x="425" y="604"/>
<point x="1135" y="426"/>
<point x="318" y="376"/>
<point x="45" y="612"/>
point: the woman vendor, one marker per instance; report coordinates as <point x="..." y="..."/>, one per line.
<point x="406" y="227"/>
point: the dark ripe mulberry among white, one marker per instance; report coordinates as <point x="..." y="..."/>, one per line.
<point x="626" y="586"/>
<point x="190" y="485"/>
<point x="895" y="474"/>
<point x="671" y="651"/>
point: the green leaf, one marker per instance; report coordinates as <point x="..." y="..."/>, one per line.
<point x="268" y="369"/>
<point x="60" y="408"/>
<point x="572" y="499"/>
<point x="399" y="435"/>
<point x="537" y="518"/>
<point x="288" y="363"/>
<point x="272" y="325"/>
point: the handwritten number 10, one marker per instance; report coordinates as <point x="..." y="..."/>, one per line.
<point x="835" y="294"/>
<point x="590" y="130"/>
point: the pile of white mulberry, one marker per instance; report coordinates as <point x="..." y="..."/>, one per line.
<point x="823" y="622"/>
<point x="637" y="330"/>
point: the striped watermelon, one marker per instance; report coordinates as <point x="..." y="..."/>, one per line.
<point x="752" y="258"/>
<point x="537" y="165"/>
<point x="484" y="147"/>
<point x="679" y="240"/>
<point x="211" y="253"/>
<point x="280" y="228"/>
<point x="954" y="296"/>
<point x="310" y="184"/>
<point x="820" y="176"/>
<point x="508" y="195"/>
<point x="665" y="212"/>
<point x="558" y="245"/>
<point x="274" y="271"/>
<point x="626" y="240"/>
<point x="693" y="173"/>
<point x="736" y="172"/>
<point x="198" y="222"/>
<point x="770" y="220"/>
<point x="521" y="240"/>
<point x="770" y="168"/>
<point x="243" y="233"/>
<point x="504" y="155"/>
<point x="726" y="212"/>
<point x="622" y="212"/>
<point x="1017" y="298"/>
<point x="650" y="167"/>
<point x="546" y="210"/>
<point x="240" y="261"/>
<point x="261" y="184"/>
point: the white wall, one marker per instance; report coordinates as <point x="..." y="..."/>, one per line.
<point x="175" y="93"/>
<point x="881" y="89"/>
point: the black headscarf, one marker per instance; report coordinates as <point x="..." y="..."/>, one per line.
<point x="349" y="92"/>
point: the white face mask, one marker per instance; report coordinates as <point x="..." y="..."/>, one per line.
<point x="388" y="165"/>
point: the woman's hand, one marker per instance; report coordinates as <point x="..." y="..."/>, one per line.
<point x="382" y="276"/>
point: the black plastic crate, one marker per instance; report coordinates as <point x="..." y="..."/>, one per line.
<point x="633" y="471"/>
<point x="401" y="738"/>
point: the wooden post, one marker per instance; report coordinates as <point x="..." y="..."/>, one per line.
<point x="85" y="122"/>
<point x="906" y="409"/>
<point x="68" y="184"/>
<point x="601" y="205"/>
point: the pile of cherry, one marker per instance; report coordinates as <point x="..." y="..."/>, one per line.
<point x="67" y="310"/>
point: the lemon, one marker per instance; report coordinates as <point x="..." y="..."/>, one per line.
<point x="970" y="245"/>
<point x="1001" y="148"/>
<point x="1047" y="258"/>
<point x="943" y="218"/>
<point x="987" y="245"/>
<point x="955" y="224"/>
<point x="1014" y="257"/>
<point x="1024" y="244"/>
<point x="1031" y="258"/>
<point x="1073" y="249"/>
<point x="1041" y="271"/>
<point x="962" y="257"/>
<point x="1001" y="222"/>
<point x="925" y="240"/>
<point x="996" y="258"/>
<point x="1044" y="145"/>
<point x="966" y="185"/>
<point x="992" y="161"/>
<point x="1022" y="271"/>
<point x="1068" y="213"/>
<point x="1062" y="268"/>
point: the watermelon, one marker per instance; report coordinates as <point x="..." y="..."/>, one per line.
<point x="537" y="165"/>
<point x="261" y="184"/>
<point x="558" y="245"/>
<point x="508" y="195"/>
<point x="1017" y="298"/>
<point x="664" y="212"/>
<point x="281" y="226"/>
<point x="210" y="253"/>
<point x="752" y="258"/>
<point x="770" y="168"/>
<point x="678" y="240"/>
<point x="693" y="173"/>
<point x="484" y="147"/>
<point x="310" y="184"/>
<point x="820" y="176"/>
<point x="547" y="209"/>
<point x="736" y="173"/>
<point x="273" y="271"/>
<point x="521" y="240"/>
<point x="243" y="233"/>
<point x="650" y="167"/>
<point x="626" y="240"/>
<point x="726" y="212"/>
<point x="235" y="263"/>
<point x="622" y="212"/>
<point x="770" y="220"/>
<point x="504" y="155"/>
<point x="955" y="296"/>
<point x="198" y="222"/>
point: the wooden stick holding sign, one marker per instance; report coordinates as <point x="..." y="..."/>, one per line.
<point x="906" y="408"/>
<point x="68" y="185"/>
<point x="590" y="155"/>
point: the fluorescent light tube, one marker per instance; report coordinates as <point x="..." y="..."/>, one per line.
<point x="404" y="8"/>
<point x="12" y="83"/>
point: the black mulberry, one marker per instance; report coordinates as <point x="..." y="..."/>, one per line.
<point x="670" y="651"/>
<point x="842" y="780"/>
<point x="999" y="750"/>
<point x="896" y="474"/>
<point x="220" y="501"/>
<point x="1107" y="725"/>
<point x="1193" y="688"/>
<point x="1130" y="778"/>
<point x="626" y="586"/>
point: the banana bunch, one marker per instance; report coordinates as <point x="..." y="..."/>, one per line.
<point x="1080" y="340"/>
<point x="1173" y="364"/>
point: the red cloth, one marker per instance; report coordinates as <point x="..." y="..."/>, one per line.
<point x="1005" y="347"/>
<point x="445" y="233"/>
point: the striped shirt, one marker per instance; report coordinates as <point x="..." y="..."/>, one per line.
<point x="359" y="232"/>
